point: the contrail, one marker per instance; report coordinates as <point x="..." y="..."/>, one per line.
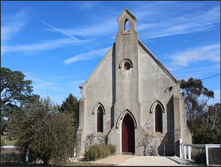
<point x="58" y="30"/>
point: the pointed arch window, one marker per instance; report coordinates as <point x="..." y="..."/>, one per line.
<point x="100" y="119"/>
<point x="126" y="25"/>
<point x="158" y="119"/>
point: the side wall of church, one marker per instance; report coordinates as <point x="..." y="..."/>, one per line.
<point x="154" y="87"/>
<point x="98" y="90"/>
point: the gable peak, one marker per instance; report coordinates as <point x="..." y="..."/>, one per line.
<point x="128" y="13"/>
<point x="126" y="22"/>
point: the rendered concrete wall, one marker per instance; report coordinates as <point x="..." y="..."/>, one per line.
<point x="136" y="92"/>
<point x="155" y="84"/>
<point x="99" y="89"/>
<point x="96" y="90"/>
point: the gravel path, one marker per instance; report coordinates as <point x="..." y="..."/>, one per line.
<point x="132" y="160"/>
<point x="155" y="161"/>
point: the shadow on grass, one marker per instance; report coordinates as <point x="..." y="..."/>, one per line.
<point x="19" y="164"/>
<point x="70" y="164"/>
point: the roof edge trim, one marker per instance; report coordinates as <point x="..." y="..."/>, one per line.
<point x="158" y="62"/>
<point x="129" y="13"/>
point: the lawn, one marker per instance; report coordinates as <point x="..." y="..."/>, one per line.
<point x="7" y="142"/>
<point x="73" y="164"/>
<point x="19" y="164"/>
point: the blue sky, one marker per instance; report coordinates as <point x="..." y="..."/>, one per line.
<point x="58" y="44"/>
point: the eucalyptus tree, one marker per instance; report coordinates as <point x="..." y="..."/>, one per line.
<point x="196" y="97"/>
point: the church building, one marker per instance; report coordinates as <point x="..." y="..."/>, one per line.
<point x="131" y="97"/>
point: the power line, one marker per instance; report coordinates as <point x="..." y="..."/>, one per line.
<point x="210" y="77"/>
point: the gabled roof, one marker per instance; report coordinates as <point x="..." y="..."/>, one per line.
<point x="157" y="62"/>
<point x="127" y="12"/>
<point x="147" y="51"/>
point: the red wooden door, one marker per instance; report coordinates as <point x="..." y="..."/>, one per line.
<point x="128" y="134"/>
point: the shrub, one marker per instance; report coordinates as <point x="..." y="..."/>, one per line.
<point x="93" y="153"/>
<point x="103" y="151"/>
<point x="99" y="151"/>
<point x="201" y="158"/>
<point x="53" y="140"/>
<point x="112" y="149"/>
<point x="207" y="135"/>
<point x="198" y="155"/>
<point x="214" y="156"/>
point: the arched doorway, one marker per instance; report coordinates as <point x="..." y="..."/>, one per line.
<point x="128" y="135"/>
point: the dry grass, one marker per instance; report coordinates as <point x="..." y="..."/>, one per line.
<point x="7" y="141"/>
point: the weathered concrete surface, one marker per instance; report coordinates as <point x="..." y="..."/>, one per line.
<point x="136" y="91"/>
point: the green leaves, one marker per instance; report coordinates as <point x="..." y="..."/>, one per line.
<point x="70" y="106"/>
<point x="196" y="97"/>
<point x="207" y="135"/>
<point x="203" y="120"/>
<point x="15" y="91"/>
<point x="195" y="86"/>
<point x="40" y="127"/>
<point x="44" y="132"/>
<point x="13" y="86"/>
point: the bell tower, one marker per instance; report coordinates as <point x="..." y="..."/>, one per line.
<point x="126" y="16"/>
<point x="126" y="65"/>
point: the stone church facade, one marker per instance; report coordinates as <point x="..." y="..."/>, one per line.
<point x="131" y="94"/>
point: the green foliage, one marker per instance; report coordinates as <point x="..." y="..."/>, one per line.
<point x="195" y="86"/>
<point x="207" y="135"/>
<point x="214" y="156"/>
<point x="195" y="97"/>
<point x="212" y="116"/>
<point x="44" y="132"/>
<point x="13" y="86"/>
<point x="15" y="91"/>
<point x="2" y="141"/>
<point x="70" y="106"/>
<point x="91" y="154"/>
<point x="103" y="151"/>
<point x="99" y="151"/>
<point x="200" y="158"/>
<point x="112" y="149"/>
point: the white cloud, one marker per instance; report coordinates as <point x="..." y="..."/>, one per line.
<point x="198" y="72"/>
<point x="87" y="4"/>
<point x="59" y="30"/>
<point x="162" y="23"/>
<point x="41" y="46"/>
<point x="38" y="83"/>
<point x="10" y="26"/>
<point x="104" y="28"/>
<point x="156" y="21"/>
<point x="209" y="53"/>
<point x="77" y="82"/>
<point x="57" y="90"/>
<point x="87" y="56"/>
